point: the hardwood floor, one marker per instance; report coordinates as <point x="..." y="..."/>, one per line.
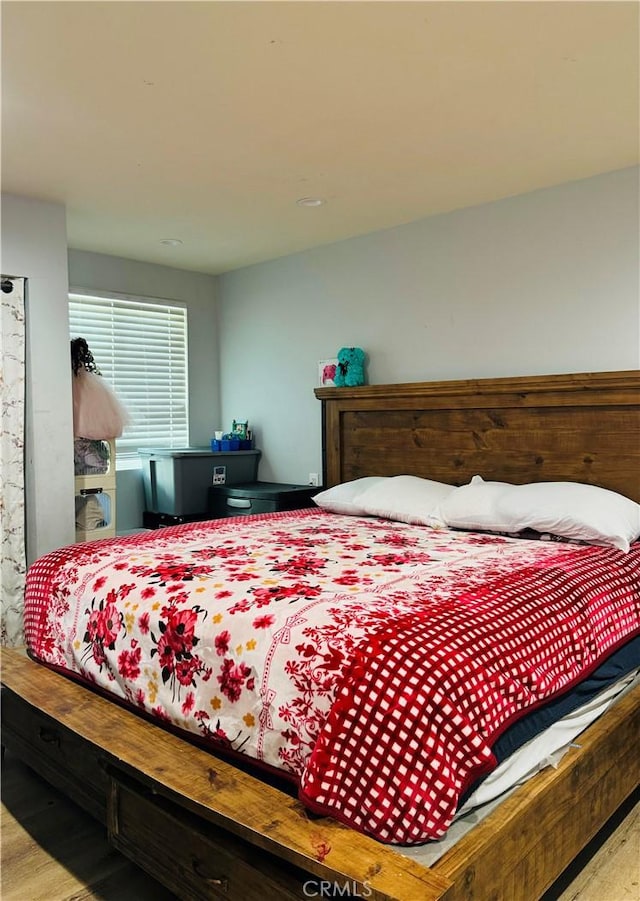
<point x="609" y="867"/>
<point x="52" y="851"/>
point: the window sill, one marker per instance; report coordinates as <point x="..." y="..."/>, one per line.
<point x="123" y="463"/>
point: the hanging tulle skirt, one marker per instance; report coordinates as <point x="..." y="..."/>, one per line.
<point x="97" y="412"/>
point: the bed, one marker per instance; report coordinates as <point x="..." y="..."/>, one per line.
<point x="576" y="428"/>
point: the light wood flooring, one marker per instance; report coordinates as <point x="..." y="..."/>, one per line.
<point x="52" y="851"/>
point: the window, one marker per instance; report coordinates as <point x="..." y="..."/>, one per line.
<point x="140" y="348"/>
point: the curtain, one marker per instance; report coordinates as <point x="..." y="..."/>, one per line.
<point x="12" y="521"/>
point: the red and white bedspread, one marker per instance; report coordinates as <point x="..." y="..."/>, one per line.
<point x="374" y="661"/>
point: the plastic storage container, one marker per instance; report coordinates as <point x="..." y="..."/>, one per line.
<point x="258" y="497"/>
<point x="176" y="480"/>
<point x="95" y="489"/>
<point x="93" y="458"/>
<point x="95" y="513"/>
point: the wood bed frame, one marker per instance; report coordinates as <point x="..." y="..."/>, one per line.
<point x="207" y="829"/>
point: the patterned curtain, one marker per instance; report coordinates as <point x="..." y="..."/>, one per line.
<point x="12" y="389"/>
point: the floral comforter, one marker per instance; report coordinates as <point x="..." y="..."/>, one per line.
<point x="373" y="661"/>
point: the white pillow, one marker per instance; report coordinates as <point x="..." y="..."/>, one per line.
<point x="569" y="509"/>
<point x="406" y="499"/>
<point x="343" y="498"/>
<point x="473" y="506"/>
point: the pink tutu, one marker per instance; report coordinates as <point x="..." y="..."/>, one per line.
<point x="97" y="412"/>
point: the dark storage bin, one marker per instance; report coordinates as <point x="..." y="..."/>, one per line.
<point x="258" y="497"/>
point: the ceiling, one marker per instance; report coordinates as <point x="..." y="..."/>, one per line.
<point x="207" y="121"/>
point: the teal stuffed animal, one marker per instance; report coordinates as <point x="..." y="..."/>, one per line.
<point x="350" y="368"/>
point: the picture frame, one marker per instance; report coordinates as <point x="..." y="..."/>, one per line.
<point x="326" y="373"/>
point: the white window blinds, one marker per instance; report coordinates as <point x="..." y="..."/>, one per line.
<point x="140" y="348"/>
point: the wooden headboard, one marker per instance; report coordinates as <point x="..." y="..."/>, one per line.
<point x="580" y="428"/>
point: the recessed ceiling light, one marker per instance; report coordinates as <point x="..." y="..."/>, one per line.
<point x="171" y="242"/>
<point x="311" y="201"/>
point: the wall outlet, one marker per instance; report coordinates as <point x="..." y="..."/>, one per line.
<point x="313" y="479"/>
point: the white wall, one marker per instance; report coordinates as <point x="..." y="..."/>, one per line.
<point x="34" y="245"/>
<point x="546" y="282"/>
<point x="101" y="272"/>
